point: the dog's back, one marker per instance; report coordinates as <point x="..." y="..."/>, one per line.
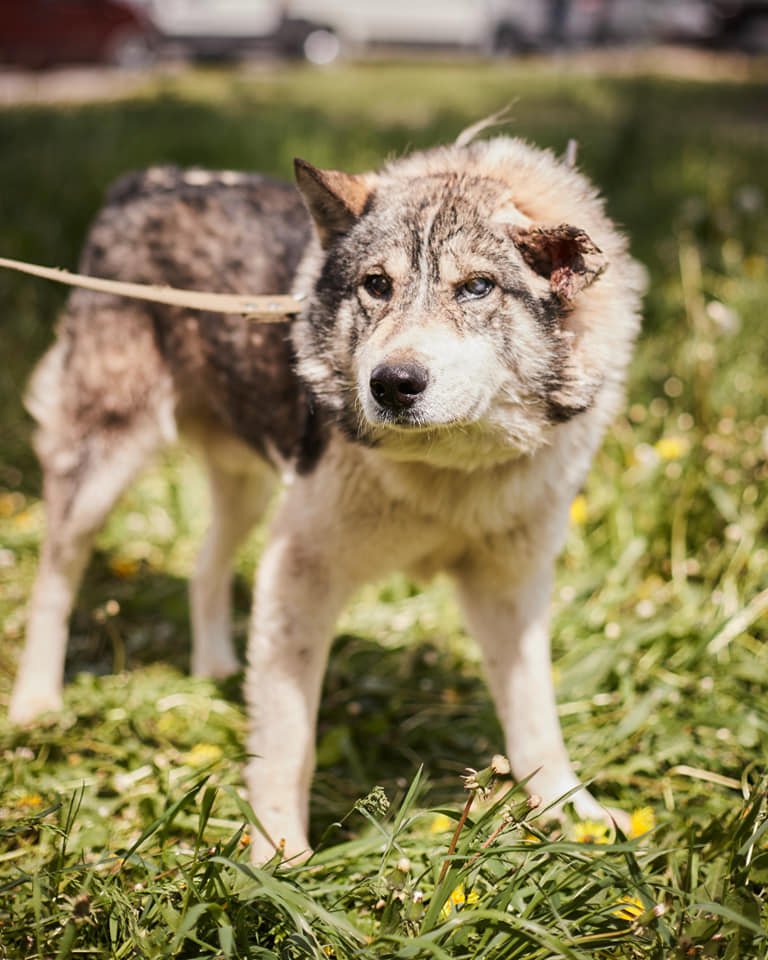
<point x="117" y="361"/>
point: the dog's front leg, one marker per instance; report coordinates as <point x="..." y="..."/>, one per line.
<point x="507" y="610"/>
<point x="299" y="594"/>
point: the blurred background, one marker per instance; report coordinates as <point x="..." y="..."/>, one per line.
<point x="131" y="33"/>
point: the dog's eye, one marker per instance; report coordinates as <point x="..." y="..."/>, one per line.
<point x="475" y="289"/>
<point x="378" y="285"/>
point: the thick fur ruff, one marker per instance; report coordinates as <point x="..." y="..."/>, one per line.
<point x="470" y="315"/>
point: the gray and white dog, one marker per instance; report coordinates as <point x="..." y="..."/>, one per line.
<point x="469" y="317"/>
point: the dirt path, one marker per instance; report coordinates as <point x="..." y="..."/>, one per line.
<point x="81" y="84"/>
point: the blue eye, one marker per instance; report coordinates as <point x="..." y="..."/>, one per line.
<point x="475" y="289"/>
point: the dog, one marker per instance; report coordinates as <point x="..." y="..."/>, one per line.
<point x="470" y="313"/>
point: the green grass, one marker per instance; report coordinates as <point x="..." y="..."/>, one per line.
<point x="122" y="825"/>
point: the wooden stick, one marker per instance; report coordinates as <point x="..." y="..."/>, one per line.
<point x="263" y="308"/>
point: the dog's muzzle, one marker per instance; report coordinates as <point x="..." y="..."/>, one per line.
<point x="397" y="387"/>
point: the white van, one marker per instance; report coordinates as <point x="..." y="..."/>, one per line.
<point x="480" y="25"/>
<point x="320" y="29"/>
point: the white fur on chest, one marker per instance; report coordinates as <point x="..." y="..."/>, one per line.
<point x="379" y="514"/>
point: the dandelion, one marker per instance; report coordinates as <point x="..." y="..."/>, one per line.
<point x="478" y="783"/>
<point x="671" y="448"/>
<point x="482" y="781"/>
<point x="457" y="901"/>
<point x="441" y="823"/>
<point x="578" y="513"/>
<point x="123" y="567"/>
<point x="642" y="821"/>
<point x="500" y="765"/>
<point x="630" y="909"/>
<point x="25" y="521"/>
<point x="9" y="504"/>
<point x="31" y="800"/>
<point x="591" y="831"/>
<point x="202" y="755"/>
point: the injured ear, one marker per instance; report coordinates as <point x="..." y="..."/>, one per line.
<point x="334" y="199"/>
<point x="564" y="254"/>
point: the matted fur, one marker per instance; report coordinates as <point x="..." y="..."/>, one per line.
<point x="470" y="315"/>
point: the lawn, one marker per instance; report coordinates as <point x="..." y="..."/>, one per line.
<point x="123" y="832"/>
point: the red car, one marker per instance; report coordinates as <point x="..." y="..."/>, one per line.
<point x="41" y="33"/>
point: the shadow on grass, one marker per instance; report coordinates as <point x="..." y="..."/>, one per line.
<point x="385" y="711"/>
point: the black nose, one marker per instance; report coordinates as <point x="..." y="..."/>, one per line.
<point x="397" y="386"/>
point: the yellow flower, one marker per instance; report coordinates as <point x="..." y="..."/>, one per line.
<point x="441" y="824"/>
<point x="630" y="910"/>
<point x="202" y="755"/>
<point x="10" y="503"/>
<point x="671" y="448"/>
<point x="123" y="567"/>
<point x="641" y="821"/>
<point x="579" y="510"/>
<point x="457" y="901"/>
<point x="31" y="800"/>
<point x="26" y="520"/>
<point x="591" y="831"/>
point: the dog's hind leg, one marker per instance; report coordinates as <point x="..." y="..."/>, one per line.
<point x="80" y="486"/>
<point x="96" y="428"/>
<point x="238" y="500"/>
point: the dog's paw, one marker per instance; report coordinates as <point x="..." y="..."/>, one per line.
<point x="582" y="806"/>
<point x="217" y="667"/>
<point x="266" y="854"/>
<point x="587" y="808"/>
<point x="28" y="706"/>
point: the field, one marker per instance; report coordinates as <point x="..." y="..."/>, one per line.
<point x="123" y="832"/>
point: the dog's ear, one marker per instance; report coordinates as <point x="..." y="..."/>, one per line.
<point x="564" y="254"/>
<point x="334" y="199"/>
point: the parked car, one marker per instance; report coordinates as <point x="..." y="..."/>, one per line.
<point x="229" y="28"/>
<point x="740" y="24"/>
<point x="321" y="29"/>
<point x="503" y="26"/>
<point x="475" y="25"/>
<point x="721" y="24"/>
<point x="41" y="33"/>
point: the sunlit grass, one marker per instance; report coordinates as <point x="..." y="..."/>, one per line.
<point x="122" y="826"/>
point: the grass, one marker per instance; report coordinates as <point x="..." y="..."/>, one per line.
<point x="123" y="831"/>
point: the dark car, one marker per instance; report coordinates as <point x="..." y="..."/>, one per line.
<point x="41" y="33"/>
<point x="742" y="24"/>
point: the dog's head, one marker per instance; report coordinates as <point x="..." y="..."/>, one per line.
<point x="448" y="321"/>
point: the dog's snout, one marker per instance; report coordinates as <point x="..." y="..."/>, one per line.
<point x="398" y="386"/>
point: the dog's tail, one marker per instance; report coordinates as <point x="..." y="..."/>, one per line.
<point x="494" y="120"/>
<point x="43" y="393"/>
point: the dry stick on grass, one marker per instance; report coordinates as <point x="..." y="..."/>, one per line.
<point x="455" y="837"/>
<point x="266" y="309"/>
<point x="476" y="781"/>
